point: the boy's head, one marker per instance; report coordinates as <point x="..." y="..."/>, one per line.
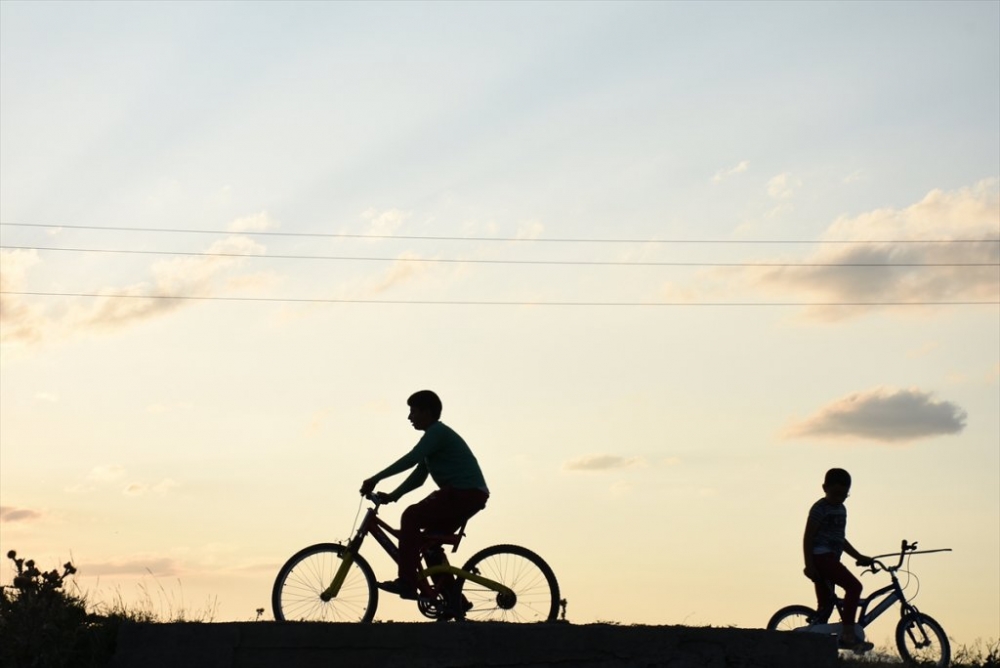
<point x="837" y="485"/>
<point x="425" y="409"/>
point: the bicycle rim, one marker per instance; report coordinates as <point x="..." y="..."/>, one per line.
<point x="521" y="570"/>
<point x="790" y="618"/>
<point x="922" y="642"/>
<point x="304" y="577"/>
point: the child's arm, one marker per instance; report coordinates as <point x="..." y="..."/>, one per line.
<point x="807" y="545"/>
<point x="860" y="558"/>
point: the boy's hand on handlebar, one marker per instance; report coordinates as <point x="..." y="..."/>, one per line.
<point x="385" y="497"/>
<point x="368" y="486"/>
<point x="864" y="561"/>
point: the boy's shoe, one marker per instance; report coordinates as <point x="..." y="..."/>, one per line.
<point x="855" y="645"/>
<point x="400" y="588"/>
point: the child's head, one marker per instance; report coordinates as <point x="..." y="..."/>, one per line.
<point x="837" y="485"/>
<point x="427" y="401"/>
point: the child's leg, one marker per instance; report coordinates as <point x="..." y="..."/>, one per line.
<point x="830" y="568"/>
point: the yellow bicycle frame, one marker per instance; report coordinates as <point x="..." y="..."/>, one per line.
<point x="347" y="558"/>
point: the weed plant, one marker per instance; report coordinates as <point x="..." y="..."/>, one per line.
<point x="44" y="625"/>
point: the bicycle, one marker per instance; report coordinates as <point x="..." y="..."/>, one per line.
<point x="920" y="639"/>
<point x="333" y="582"/>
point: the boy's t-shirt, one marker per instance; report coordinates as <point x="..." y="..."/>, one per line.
<point x="831" y="522"/>
<point x="444" y="455"/>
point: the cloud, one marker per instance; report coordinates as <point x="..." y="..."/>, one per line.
<point x="178" y="277"/>
<point x="258" y="222"/>
<point x="22" y="322"/>
<point x="723" y="174"/>
<point x="135" y="565"/>
<point x="882" y="414"/>
<point x="782" y="186"/>
<point x="967" y="214"/>
<point x="10" y="514"/>
<point x="140" y="488"/>
<point x="384" y="223"/>
<point x="970" y="213"/>
<point x="406" y="268"/>
<point x="602" y="463"/>
<point x="529" y="230"/>
<point x="170" y="286"/>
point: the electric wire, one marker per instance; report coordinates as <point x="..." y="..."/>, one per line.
<point x="347" y="235"/>
<point x="473" y="302"/>
<point x="608" y="263"/>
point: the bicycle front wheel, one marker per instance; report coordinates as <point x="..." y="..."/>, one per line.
<point x="298" y="589"/>
<point x="922" y="642"/>
<point x="536" y="592"/>
<point x="790" y="618"/>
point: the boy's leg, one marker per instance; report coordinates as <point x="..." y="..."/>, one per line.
<point x="831" y="569"/>
<point x="442" y="512"/>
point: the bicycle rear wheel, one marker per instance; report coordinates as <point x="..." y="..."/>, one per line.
<point x="536" y="592"/>
<point x="304" y="577"/>
<point x="922" y="642"/>
<point x="790" y="618"/>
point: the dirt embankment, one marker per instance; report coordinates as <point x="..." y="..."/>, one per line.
<point x="486" y="645"/>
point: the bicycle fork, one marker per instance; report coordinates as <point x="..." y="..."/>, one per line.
<point x="346" y="559"/>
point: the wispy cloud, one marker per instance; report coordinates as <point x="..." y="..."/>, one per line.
<point x="26" y="322"/>
<point x="603" y="463"/>
<point x="385" y="222"/>
<point x="882" y="414"/>
<point x="140" y="488"/>
<point x="970" y="213"/>
<point x="405" y="269"/>
<point x="783" y="186"/>
<point x="20" y="321"/>
<point x="10" y="514"/>
<point x="258" y="222"/>
<point x="134" y="565"/>
<point x="967" y="213"/>
<point x="724" y="174"/>
<point x="179" y="277"/>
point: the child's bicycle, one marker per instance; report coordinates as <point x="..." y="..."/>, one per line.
<point x="921" y="640"/>
<point x="334" y="583"/>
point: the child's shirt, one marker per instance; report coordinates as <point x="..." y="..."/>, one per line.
<point x="831" y="523"/>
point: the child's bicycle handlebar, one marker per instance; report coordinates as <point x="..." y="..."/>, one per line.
<point x="904" y="549"/>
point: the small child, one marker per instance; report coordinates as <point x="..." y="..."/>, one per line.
<point x="823" y="543"/>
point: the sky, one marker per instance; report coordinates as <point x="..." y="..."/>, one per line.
<point x="664" y="263"/>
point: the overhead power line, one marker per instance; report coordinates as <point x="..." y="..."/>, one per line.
<point x="425" y="302"/>
<point x="346" y="235"/>
<point x="612" y="263"/>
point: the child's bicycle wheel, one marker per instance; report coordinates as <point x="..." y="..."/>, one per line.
<point x="790" y="618"/>
<point x="536" y="592"/>
<point x="922" y="642"/>
<point x="297" y="591"/>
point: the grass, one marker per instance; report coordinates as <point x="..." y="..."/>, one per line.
<point x="980" y="654"/>
<point x="46" y="622"/>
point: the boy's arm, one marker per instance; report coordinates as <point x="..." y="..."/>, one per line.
<point x="807" y="544"/>
<point x="413" y="481"/>
<point x="858" y="557"/>
<point x="415" y="456"/>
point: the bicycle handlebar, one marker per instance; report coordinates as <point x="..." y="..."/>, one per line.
<point x="374" y="498"/>
<point x="904" y="549"/>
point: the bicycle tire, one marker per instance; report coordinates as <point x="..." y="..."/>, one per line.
<point x="297" y="588"/>
<point x="532" y="580"/>
<point x="916" y="629"/>
<point x="790" y="618"/>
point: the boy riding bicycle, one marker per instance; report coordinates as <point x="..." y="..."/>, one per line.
<point x="822" y="545"/>
<point x="445" y="456"/>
